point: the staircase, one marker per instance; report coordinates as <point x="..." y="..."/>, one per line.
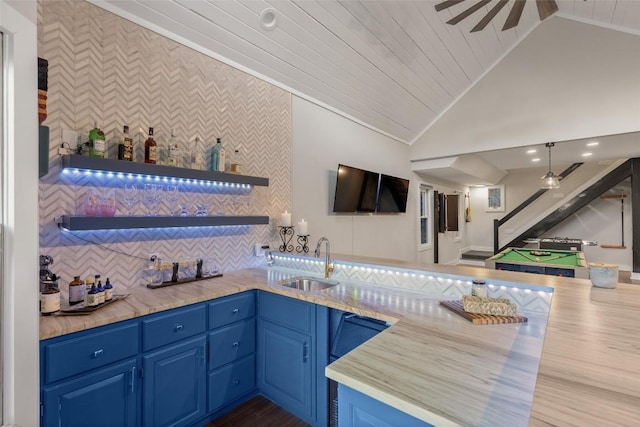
<point x="474" y="257"/>
<point x="579" y="188"/>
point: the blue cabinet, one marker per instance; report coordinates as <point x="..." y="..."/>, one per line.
<point x="358" y="410"/>
<point x="232" y="345"/>
<point x="106" y="397"/>
<point x="285" y="368"/>
<point x="174" y="384"/>
<point x="291" y="356"/>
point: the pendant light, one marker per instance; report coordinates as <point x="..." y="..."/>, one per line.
<point x="550" y="181"/>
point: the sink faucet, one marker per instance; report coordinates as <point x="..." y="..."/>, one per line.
<point x="328" y="265"/>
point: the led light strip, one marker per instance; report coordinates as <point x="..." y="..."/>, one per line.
<point x="74" y="172"/>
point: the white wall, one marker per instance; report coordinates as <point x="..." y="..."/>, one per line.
<point x="321" y="140"/>
<point x="566" y="80"/>
<point x="20" y="315"/>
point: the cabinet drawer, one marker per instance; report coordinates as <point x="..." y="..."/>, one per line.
<point x="289" y="312"/>
<point x="232" y="342"/>
<point x="173" y="326"/>
<point x="231" y="309"/>
<point x="231" y="382"/>
<point x="73" y="356"/>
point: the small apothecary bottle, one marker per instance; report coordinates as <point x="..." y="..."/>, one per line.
<point x="479" y="288"/>
<point x="92" y="296"/>
<point x="50" y="297"/>
<point x="100" y="292"/>
<point x="108" y="290"/>
<point x="76" y="291"/>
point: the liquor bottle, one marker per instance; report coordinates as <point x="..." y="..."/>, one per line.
<point x="97" y="142"/>
<point x="125" y="145"/>
<point x="235" y="166"/>
<point x="150" y="149"/>
<point x="196" y="159"/>
<point x="100" y="292"/>
<point x="50" y="297"/>
<point x="76" y="291"/>
<point x="218" y="157"/>
<point x="173" y="151"/>
<point x="108" y="291"/>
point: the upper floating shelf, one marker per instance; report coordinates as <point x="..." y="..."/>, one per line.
<point x="72" y="222"/>
<point x="78" y="162"/>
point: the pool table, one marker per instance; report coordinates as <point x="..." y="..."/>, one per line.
<point x="554" y="263"/>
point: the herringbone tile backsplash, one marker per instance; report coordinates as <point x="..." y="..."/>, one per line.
<point x="105" y="69"/>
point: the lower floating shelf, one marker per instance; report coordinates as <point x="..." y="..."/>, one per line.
<point x="72" y="222"/>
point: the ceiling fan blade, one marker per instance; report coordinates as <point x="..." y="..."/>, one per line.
<point x="514" y="15"/>
<point x="546" y="8"/>
<point x="461" y="16"/>
<point x="446" y="4"/>
<point x="489" y="16"/>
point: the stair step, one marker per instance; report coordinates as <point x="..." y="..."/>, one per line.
<point x="477" y="255"/>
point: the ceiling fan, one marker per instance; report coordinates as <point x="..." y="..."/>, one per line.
<point x="546" y="8"/>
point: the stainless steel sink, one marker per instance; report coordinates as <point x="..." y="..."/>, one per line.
<point x="307" y="283"/>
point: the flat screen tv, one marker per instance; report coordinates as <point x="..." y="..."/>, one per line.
<point x="356" y="190"/>
<point x="392" y="195"/>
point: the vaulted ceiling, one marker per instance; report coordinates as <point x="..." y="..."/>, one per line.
<point x="394" y="66"/>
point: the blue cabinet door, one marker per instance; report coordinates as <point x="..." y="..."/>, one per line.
<point x="358" y="410"/>
<point x="285" y="368"/>
<point x="107" y="397"/>
<point x="174" y="384"/>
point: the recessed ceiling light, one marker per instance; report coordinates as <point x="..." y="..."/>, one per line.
<point x="536" y="159"/>
<point x="593" y="144"/>
<point x="531" y="151"/>
<point x="269" y="19"/>
<point x="587" y="154"/>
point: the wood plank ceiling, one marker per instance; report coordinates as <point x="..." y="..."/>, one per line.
<point x="393" y="66"/>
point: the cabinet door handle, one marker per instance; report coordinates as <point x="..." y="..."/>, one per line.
<point x="133" y="380"/>
<point x="235" y="344"/>
<point x="236" y="382"/>
<point x="305" y="352"/>
<point x="235" y="311"/>
<point x="179" y="328"/>
<point x="98" y="353"/>
<point x="202" y="355"/>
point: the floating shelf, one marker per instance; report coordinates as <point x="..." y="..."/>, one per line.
<point x="78" y="162"/>
<point x="76" y="223"/>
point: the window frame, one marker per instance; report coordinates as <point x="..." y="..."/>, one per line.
<point x="425" y="193"/>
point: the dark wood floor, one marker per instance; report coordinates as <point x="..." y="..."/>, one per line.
<point x="258" y="412"/>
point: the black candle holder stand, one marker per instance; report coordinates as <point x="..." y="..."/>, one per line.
<point x="303" y="241"/>
<point x="286" y="234"/>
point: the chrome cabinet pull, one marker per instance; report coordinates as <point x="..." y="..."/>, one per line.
<point x="133" y="379"/>
<point x="235" y="344"/>
<point x="305" y="352"/>
<point x="179" y="328"/>
<point x="235" y="311"/>
<point x="98" y="353"/>
<point x="236" y="382"/>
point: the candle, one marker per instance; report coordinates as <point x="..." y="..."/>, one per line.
<point x="303" y="228"/>
<point x="285" y="219"/>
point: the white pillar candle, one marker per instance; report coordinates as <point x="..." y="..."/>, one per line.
<point x="303" y="229"/>
<point x="285" y="219"/>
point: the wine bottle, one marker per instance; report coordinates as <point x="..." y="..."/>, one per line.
<point x="150" y="149"/>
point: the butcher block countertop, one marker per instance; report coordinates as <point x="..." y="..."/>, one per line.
<point x="579" y="367"/>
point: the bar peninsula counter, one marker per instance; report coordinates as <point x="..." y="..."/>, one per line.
<point x="438" y="367"/>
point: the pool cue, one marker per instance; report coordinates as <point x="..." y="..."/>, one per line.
<point x="526" y="256"/>
<point x="558" y="257"/>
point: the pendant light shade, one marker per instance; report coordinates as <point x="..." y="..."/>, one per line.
<point x="550" y="181"/>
